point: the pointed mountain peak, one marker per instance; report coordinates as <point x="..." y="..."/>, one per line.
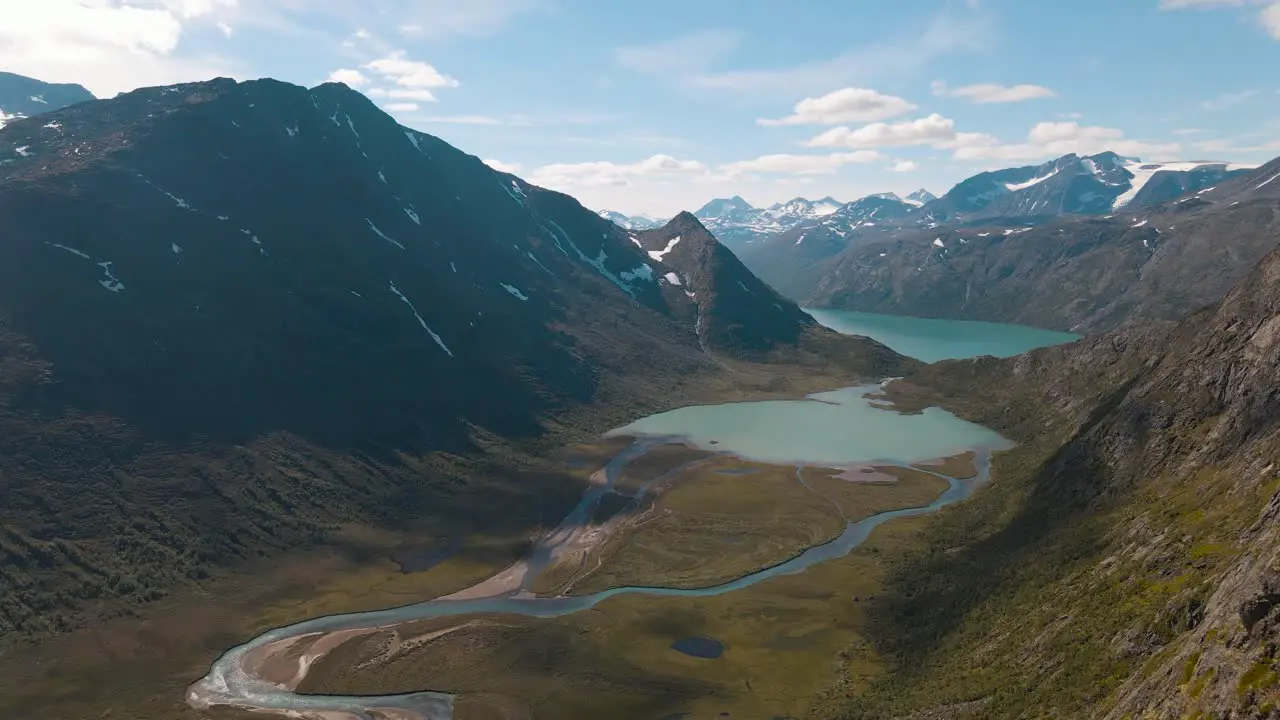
<point x="721" y="207"/>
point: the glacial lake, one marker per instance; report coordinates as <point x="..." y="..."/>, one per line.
<point x="931" y="340"/>
<point x="837" y="428"/>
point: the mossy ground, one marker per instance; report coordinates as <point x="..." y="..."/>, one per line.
<point x="615" y="660"/>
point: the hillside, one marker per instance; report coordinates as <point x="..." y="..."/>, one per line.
<point x="1123" y="562"/>
<point x="239" y="319"/>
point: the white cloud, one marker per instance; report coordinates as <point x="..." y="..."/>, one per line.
<point x="1052" y="139"/>
<point x="1268" y="16"/>
<point x="106" y="46"/>
<point x="401" y="107"/>
<point x="413" y="79"/>
<point x="224" y="28"/>
<point x="353" y="78"/>
<point x="904" y="166"/>
<point x="801" y="164"/>
<point x="688" y="52"/>
<point x="987" y="93"/>
<point x="1229" y="100"/>
<point x="933" y="130"/>
<point x="500" y="166"/>
<point x="1270" y="19"/>
<point x="844" y="106"/>
<point x="589" y="174"/>
<point x="197" y="8"/>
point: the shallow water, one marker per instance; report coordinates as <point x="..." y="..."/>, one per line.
<point x="699" y="647"/>
<point x="932" y="340"/>
<point x="835" y="428"/>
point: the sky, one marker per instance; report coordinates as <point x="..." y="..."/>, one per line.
<point x="657" y="106"/>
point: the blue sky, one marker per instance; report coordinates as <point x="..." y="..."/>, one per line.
<point x="661" y="105"/>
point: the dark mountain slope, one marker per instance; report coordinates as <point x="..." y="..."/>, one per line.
<point x="1125" y="561"/>
<point x="235" y="318"/>
<point x="21" y="96"/>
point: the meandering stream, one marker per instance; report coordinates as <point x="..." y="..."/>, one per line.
<point x="849" y="429"/>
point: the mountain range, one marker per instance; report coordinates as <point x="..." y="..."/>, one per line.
<point x="1080" y="243"/>
<point x="250" y="327"/>
<point x="293" y="314"/>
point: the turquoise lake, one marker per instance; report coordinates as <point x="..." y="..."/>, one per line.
<point x="932" y="340"/>
<point x="834" y="428"/>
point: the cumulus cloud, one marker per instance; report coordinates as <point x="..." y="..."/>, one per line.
<point x="500" y="166"/>
<point x="904" y="166"/>
<point x="987" y="93"/>
<point x="590" y="174"/>
<point x="107" y="47"/>
<point x="933" y="129"/>
<point x="1270" y="19"/>
<point x="801" y="164"/>
<point x="353" y="78"/>
<point x="401" y="107"/>
<point x="1051" y="139"/>
<point x="410" y="79"/>
<point x="846" y="105"/>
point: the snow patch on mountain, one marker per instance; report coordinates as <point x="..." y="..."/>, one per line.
<point x="659" y="254"/>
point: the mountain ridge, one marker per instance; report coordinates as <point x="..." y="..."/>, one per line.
<point x="1143" y="498"/>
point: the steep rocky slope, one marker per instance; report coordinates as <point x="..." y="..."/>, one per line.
<point x="735" y="311"/>
<point x="235" y="318"/>
<point x="1124" y="561"/>
<point x="1084" y="275"/>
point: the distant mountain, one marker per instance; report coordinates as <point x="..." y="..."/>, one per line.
<point x="737" y="223"/>
<point x="920" y="197"/>
<point x="799" y="209"/>
<point x="793" y="261"/>
<point x="630" y="222"/>
<point x="22" y="97"/>
<point x="724" y="208"/>
<point x="235" y="317"/>
<point x="1092" y="185"/>
<point x="1084" y="274"/>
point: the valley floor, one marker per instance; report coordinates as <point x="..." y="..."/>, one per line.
<point x="139" y="662"/>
